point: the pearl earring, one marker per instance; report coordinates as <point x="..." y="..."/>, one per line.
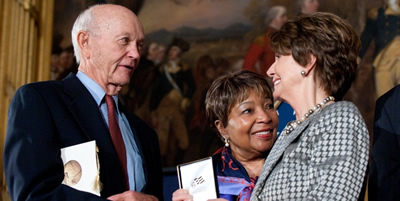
<point x="303" y="73"/>
<point x="226" y="142"/>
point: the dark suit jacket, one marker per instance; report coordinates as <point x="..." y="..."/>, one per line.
<point x="384" y="180"/>
<point x="47" y="116"/>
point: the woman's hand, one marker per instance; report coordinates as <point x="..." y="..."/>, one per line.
<point x="181" y="195"/>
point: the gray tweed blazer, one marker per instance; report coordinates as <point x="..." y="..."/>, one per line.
<point x="324" y="158"/>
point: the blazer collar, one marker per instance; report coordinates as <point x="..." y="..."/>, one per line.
<point x="277" y="151"/>
<point x="86" y="112"/>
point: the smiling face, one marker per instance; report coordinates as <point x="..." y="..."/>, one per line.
<point x="251" y="127"/>
<point x="112" y="47"/>
<point x="285" y="74"/>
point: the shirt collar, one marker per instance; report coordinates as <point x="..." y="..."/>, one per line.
<point x="95" y="89"/>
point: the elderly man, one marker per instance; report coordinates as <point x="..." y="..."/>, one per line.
<point x="47" y="116"/>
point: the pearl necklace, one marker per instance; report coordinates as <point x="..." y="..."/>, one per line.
<point x="294" y="124"/>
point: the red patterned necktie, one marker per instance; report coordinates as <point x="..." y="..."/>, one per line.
<point x="116" y="137"/>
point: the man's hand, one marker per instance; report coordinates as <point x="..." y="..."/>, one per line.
<point x="131" y="196"/>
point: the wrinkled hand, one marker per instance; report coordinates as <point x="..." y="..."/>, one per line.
<point x="182" y="195"/>
<point x="132" y="196"/>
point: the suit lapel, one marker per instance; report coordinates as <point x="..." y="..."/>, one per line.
<point x="86" y="112"/>
<point x="276" y="154"/>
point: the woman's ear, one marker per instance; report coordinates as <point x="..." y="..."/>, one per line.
<point x="221" y="129"/>
<point x="312" y="63"/>
<point x="308" y="67"/>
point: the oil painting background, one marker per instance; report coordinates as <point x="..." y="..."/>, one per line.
<point x="223" y="28"/>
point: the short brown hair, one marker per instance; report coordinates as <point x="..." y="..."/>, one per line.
<point x="230" y="89"/>
<point x="330" y="39"/>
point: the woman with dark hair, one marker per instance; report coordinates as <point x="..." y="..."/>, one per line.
<point x="323" y="154"/>
<point x="239" y="107"/>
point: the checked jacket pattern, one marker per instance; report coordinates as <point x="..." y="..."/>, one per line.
<point x="324" y="158"/>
